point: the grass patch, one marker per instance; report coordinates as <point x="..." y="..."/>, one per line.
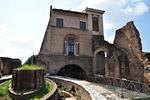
<point x="4" y="95"/>
<point x="29" y="67"/>
<point x="46" y="88"/>
<point x="4" y="88"/>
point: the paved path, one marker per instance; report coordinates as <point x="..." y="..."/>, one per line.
<point x="96" y="91"/>
<point x="6" y="77"/>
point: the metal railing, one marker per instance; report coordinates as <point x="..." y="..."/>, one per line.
<point x="122" y="83"/>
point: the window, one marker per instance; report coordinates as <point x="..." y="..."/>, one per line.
<point x="71" y="47"/>
<point x="82" y="25"/>
<point x="59" y="22"/>
<point x="95" y="24"/>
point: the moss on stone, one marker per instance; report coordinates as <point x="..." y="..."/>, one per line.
<point x="29" y="67"/>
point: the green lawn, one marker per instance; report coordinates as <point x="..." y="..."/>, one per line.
<point x="46" y="88"/>
<point x="4" y="88"/>
<point x="29" y="67"/>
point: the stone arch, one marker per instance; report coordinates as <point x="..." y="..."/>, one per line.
<point x="99" y="62"/>
<point x="101" y="49"/>
<point x="72" y="70"/>
<point x="71" y="36"/>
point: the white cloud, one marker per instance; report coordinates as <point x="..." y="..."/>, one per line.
<point x="117" y="11"/>
<point x="17" y="42"/>
<point x="15" y="45"/>
<point x="139" y="9"/>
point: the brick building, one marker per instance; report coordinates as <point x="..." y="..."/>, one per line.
<point x="74" y="46"/>
<point x="70" y="40"/>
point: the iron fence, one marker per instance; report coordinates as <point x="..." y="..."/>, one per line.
<point x="122" y="83"/>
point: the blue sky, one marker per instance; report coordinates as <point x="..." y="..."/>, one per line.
<point x="23" y="22"/>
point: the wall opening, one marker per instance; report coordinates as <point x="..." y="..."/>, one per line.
<point x="100" y="62"/>
<point x="72" y="71"/>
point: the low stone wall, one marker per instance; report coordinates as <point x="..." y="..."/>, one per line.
<point x="27" y="79"/>
<point x="84" y="95"/>
<point x="52" y="95"/>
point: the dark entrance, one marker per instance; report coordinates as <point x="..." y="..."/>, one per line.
<point x="73" y="71"/>
<point x="100" y="62"/>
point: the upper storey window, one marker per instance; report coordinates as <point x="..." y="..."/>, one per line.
<point x="82" y="25"/>
<point x="95" y="24"/>
<point x="59" y="22"/>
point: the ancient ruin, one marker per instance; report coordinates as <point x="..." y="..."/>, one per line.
<point x="146" y="62"/>
<point x="74" y="46"/>
<point x="8" y="64"/>
<point x="28" y="81"/>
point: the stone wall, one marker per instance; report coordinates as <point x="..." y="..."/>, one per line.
<point x="123" y="59"/>
<point x="71" y="20"/>
<point x="7" y="64"/>
<point x="67" y="85"/>
<point x="53" y="63"/>
<point x="53" y="43"/>
<point x="128" y="37"/>
<point x="22" y="95"/>
<point x="128" y="40"/>
<point x="146" y="62"/>
<point x="27" y="79"/>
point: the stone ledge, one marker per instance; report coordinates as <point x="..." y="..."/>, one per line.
<point x="26" y="95"/>
<point x="85" y="95"/>
<point x="52" y="94"/>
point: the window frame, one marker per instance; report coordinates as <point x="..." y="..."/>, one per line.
<point x="83" y="25"/>
<point x="59" y="22"/>
<point x="95" y="22"/>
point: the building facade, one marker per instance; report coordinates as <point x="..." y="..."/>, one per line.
<point x="70" y="40"/>
<point x="74" y="46"/>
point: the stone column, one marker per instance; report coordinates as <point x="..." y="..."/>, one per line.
<point x="77" y="48"/>
<point x="90" y="22"/>
<point x="65" y="48"/>
<point x="100" y="25"/>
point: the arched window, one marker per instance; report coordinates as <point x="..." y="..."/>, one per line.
<point x="71" y="46"/>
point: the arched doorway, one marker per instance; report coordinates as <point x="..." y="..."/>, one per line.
<point x="73" y="71"/>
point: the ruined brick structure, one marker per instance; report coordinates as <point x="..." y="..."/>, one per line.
<point x="146" y="62"/>
<point x="74" y="46"/>
<point x="27" y="79"/>
<point x="7" y="64"/>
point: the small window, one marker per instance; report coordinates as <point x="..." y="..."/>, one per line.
<point x="82" y="25"/>
<point x="95" y="24"/>
<point x="59" y="22"/>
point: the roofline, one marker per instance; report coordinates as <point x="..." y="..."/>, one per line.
<point x="94" y="10"/>
<point x="69" y="11"/>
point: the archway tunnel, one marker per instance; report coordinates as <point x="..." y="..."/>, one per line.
<point x="73" y="71"/>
